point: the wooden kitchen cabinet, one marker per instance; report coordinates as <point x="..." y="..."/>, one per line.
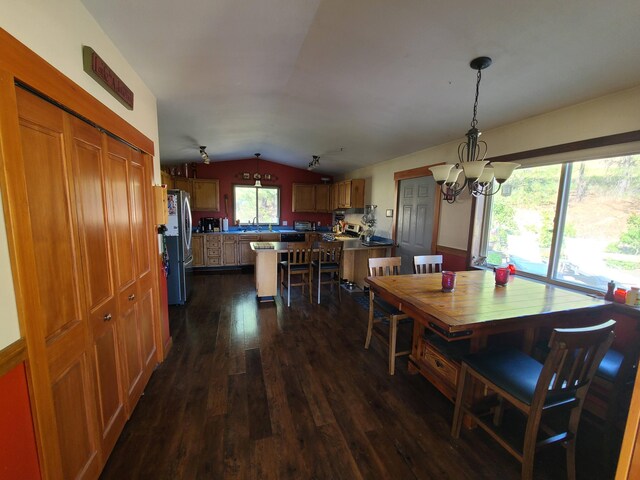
<point x="229" y="249"/>
<point x="311" y="198"/>
<point x="246" y="256"/>
<point x="166" y="179"/>
<point x="182" y="183"/>
<point x="303" y="198"/>
<point x="197" y="249"/>
<point x="323" y="198"/>
<point x="213" y="249"/>
<point x="206" y="196"/>
<point x="349" y="194"/>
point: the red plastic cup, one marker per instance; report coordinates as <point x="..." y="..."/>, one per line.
<point x="448" y="281"/>
<point x="502" y="276"/>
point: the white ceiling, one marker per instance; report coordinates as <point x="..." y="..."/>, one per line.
<point x="362" y="81"/>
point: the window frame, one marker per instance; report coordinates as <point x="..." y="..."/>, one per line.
<point x="566" y="155"/>
<point x="244" y="185"/>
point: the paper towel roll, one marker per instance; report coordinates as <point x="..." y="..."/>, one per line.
<point x="225" y="224"/>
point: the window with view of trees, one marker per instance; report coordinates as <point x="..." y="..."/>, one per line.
<point x="261" y="205"/>
<point x="576" y="223"/>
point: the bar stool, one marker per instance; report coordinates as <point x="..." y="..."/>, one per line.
<point x="535" y="389"/>
<point x="427" y="263"/>
<point x="328" y="261"/>
<point x="383" y="267"/>
<point x="298" y="263"/>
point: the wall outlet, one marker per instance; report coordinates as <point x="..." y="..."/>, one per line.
<point x="285" y="223"/>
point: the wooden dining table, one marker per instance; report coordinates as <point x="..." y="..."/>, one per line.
<point x="463" y="320"/>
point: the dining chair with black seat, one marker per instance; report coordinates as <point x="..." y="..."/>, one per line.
<point x="383" y="267"/>
<point x="328" y="261"/>
<point x="427" y="263"/>
<point x="535" y="389"/>
<point x="297" y="264"/>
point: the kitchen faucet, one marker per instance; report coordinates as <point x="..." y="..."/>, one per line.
<point x="254" y="222"/>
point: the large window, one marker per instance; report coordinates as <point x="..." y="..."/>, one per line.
<point x="257" y="205"/>
<point x="576" y="223"/>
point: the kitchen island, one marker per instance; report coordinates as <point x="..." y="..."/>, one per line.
<point x="355" y="259"/>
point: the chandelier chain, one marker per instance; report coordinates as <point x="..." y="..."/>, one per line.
<point x="474" y="122"/>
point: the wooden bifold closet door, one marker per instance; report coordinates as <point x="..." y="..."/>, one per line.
<point x="88" y="202"/>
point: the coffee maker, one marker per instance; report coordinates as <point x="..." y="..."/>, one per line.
<point x="210" y="224"/>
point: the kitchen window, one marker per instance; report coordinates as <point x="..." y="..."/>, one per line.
<point x="259" y="205"/>
<point x="575" y="223"/>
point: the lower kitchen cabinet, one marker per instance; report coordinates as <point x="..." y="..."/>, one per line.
<point x="197" y="247"/>
<point x="246" y="256"/>
<point x="229" y="249"/>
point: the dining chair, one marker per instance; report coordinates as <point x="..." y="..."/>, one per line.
<point x="328" y="261"/>
<point x="536" y="390"/>
<point x="298" y="263"/>
<point x="383" y="267"/>
<point x="427" y="263"/>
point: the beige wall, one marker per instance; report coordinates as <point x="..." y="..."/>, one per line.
<point x="57" y="30"/>
<point x="607" y="115"/>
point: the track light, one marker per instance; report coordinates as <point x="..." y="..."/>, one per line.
<point x="203" y="155"/>
<point x="315" y="163"/>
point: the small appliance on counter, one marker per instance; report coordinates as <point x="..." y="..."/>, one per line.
<point x="210" y="224"/>
<point x="303" y="226"/>
<point x="351" y="231"/>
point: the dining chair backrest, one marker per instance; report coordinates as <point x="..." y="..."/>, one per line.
<point x="383" y="266"/>
<point x="299" y="253"/>
<point x="427" y="263"/>
<point x="330" y="252"/>
<point x="572" y="362"/>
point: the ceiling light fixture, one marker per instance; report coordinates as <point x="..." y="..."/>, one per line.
<point x="203" y="155"/>
<point x="479" y="177"/>
<point x="257" y="175"/>
<point x="315" y="163"/>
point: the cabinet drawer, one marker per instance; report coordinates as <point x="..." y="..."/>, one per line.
<point x="270" y="237"/>
<point x="229" y="238"/>
<point x="213" y="251"/>
<point x="437" y="363"/>
<point x="214" y="261"/>
<point x="212" y="239"/>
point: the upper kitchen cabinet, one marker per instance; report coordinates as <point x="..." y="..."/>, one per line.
<point x="182" y="183"/>
<point x="166" y="179"/>
<point x="205" y="195"/>
<point x="311" y="198"/>
<point x="348" y="194"/>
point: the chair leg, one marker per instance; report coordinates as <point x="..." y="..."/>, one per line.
<point x="458" y="412"/>
<point x="339" y="289"/>
<point x="370" y="326"/>
<point x="281" y="282"/>
<point x="319" y="284"/>
<point x="310" y="286"/>
<point x="393" y="335"/>
<point x="288" y="288"/>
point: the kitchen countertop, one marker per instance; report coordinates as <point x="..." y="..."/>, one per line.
<point x="355" y="244"/>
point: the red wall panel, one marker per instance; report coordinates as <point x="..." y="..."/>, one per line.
<point x="230" y="173"/>
<point x="18" y="454"/>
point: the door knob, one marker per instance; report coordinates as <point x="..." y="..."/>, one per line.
<point x="107" y="317"/>
<point x="132" y="297"/>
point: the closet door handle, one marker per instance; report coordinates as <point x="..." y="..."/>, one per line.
<point x="132" y="297"/>
<point x="107" y="317"/>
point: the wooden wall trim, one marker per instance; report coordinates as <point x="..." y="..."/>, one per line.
<point x="616" y="139"/>
<point x="451" y="251"/>
<point x="12" y="355"/>
<point x="414" y="172"/>
<point x="27" y="67"/>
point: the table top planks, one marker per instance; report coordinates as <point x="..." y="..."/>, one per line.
<point x="476" y="303"/>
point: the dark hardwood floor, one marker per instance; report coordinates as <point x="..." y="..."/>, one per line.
<point x="263" y="391"/>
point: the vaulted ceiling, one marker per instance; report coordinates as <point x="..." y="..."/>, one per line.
<point x="361" y="81"/>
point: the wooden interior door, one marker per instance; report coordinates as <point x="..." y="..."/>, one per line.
<point x="93" y="228"/>
<point x="63" y="327"/>
<point x="142" y="225"/>
<point x="125" y="266"/>
<point x="416" y="206"/>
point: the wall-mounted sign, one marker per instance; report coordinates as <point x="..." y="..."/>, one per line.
<point x="101" y="73"/>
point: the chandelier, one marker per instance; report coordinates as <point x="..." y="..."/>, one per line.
<point x="478" y="176"/>
<point x="204" y="155"/>
<point x="257" y="175"/>
<point x="314" y="163"/>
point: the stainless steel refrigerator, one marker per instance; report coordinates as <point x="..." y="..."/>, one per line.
<point x="178" y="237"/>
